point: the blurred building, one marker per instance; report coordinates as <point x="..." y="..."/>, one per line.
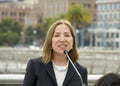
<point x="108" y="13"/>
<point x="104" y="12"/>
<point x="31" y="1"/>
<point x="16" y="10"/>
<point x="107" y="21"/>
<point x="107" y="34"/>
<point x="45" y="8"/>
<point x="108" y="38"/>
<point x="51" y="8"/>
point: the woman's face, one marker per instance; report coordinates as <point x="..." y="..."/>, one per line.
<point x="62" y="39"/>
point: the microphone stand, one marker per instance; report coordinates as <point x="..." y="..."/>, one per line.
<point x="66" y="53"/>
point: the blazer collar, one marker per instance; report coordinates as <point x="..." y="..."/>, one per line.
<point x="69" y="75"/>
<point x="49" y="69"/>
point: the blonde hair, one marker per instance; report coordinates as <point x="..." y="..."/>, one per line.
<point x="47" y="51"/>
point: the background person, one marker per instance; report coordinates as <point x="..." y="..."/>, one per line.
<point x="110" y="79"/>
<point x="53" y="67"/>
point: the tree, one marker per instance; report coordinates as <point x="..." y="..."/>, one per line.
<point x="79" y="16"/>
<point x="29" y="33"/>
<point x="11" y="38"/>
<point x="10" y="24"/>
<point x="9" y="32"/>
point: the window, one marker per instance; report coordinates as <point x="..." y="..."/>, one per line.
<point x="4" y="13"/>
<point x="117" y="35"/>
<point x="112" y="35"/>
<point x="13" y="13"/>
<point x="117" y="45"/>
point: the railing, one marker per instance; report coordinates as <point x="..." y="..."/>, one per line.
<point x="18" y="78"/>
<point x="97" y="61"/>
<point x="13" y="60"/>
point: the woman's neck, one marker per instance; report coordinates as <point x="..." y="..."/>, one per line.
<point x="60" y="60"/>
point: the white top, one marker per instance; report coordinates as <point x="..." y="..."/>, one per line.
<point x="60" y="73"/>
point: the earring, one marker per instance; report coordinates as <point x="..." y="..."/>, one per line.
<point x="50" y="48"/>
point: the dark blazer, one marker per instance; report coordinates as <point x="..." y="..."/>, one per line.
<point x="39" y="74"/>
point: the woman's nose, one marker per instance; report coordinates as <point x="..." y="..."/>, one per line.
<point x="62" y="38"/>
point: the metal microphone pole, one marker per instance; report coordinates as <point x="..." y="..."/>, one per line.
<point x="66" y="53"/>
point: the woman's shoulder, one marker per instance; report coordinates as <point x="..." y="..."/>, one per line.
<point x="82" y="69"/>
<point x="80" y="66"/>
<point x="36" y="60"/>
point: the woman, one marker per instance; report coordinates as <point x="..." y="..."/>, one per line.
<point x="110" y="79"/>
<point x="53" y="68"/>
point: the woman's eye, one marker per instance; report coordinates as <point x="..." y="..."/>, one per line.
<point x="56" y="35"/>
<point x="67" y="35"/>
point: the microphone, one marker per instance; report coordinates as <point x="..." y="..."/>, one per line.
<point x="66" y="53"/>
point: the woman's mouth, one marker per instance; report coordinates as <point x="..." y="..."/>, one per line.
<point x="62" y="46"/>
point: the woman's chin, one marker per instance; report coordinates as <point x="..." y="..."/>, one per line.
<point x="61" y="52"/>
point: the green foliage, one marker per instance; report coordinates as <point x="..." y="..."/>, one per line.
<point x="79" y="16"/>
<point x="9" y="38"/>
<point x="12" y="38"/>
<point x="29" y="33"/>
<point x="2" y="38"/>
<point x="9" y="32"/>
<point x="40" y="32"/>
<point x="10" y="24"/>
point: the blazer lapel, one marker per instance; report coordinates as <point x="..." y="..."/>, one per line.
<point x="50" y="71"/>
<point x="69" y="74"/>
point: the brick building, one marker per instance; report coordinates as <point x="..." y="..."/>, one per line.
<point x="16" y="10"/>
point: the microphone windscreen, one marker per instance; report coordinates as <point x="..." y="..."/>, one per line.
<point x="65" y="52"/>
